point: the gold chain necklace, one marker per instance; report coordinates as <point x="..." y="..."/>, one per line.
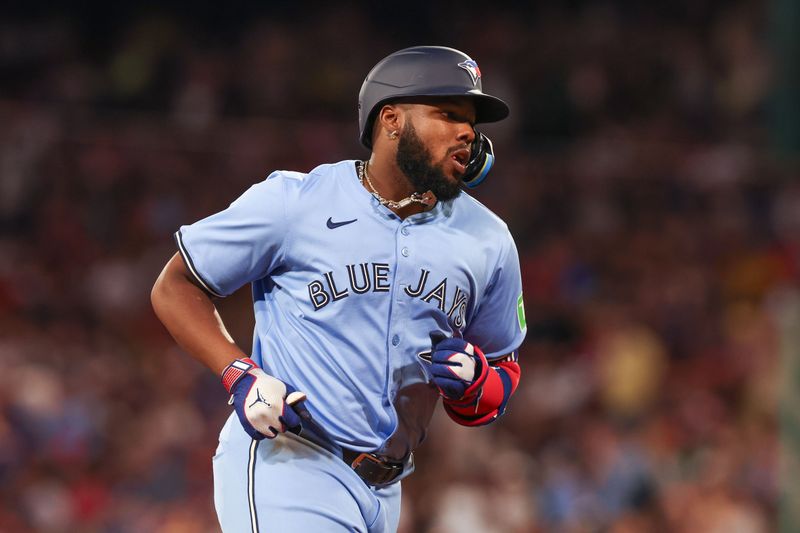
<point x="417" y="197"/>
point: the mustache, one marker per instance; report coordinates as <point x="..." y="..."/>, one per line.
<point x="454" y="149"/>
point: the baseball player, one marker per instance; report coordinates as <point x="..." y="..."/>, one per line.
<point x="378" y="288"/>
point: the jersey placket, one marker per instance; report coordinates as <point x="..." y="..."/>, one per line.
<point x="406" y="272"/>
<point x="398" y="313"/>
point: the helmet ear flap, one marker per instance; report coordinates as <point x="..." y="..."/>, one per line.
<point x="481" y="161"/>
<point x="369" y="125"/>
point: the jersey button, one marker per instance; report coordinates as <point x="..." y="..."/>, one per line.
<point x="404" y="251"/>
<point x="395" y="340"/>
<point x="404" y="231"/>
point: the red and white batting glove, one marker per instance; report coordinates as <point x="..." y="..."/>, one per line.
<point x="262" y="402"/>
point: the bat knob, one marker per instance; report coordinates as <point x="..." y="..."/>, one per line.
<point x="295" y="397"/>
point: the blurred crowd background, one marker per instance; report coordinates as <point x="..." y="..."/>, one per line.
<point x="649" y="173"/>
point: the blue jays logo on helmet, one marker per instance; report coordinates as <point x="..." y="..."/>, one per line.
<point x="472" y="67"/>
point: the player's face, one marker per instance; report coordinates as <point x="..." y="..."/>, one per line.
<point x="434" y="145"/>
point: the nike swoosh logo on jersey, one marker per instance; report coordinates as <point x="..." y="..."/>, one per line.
<point x="334" y="225"/>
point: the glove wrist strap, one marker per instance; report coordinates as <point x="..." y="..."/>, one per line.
<point x="235" y="371"/>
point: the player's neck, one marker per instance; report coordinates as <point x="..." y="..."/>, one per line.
<point x="390" y="183"/>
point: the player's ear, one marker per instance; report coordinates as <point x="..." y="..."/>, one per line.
<point x="390" y="119"/>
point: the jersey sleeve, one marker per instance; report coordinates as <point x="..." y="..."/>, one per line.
<point x="240" y="244"/>
<point x="498" y="325"/>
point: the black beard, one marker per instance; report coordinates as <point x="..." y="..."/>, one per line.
<point x="415" y="161"/>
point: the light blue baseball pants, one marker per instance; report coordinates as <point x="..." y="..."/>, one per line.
<point x="289" y="484"/>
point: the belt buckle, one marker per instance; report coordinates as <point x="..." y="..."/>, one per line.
<point x="365" y="456"/>
<point x="375" y="471"/>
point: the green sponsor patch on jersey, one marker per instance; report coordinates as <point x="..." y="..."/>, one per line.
<point x="521" y="314"/>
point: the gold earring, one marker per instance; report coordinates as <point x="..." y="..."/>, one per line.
<point x="393" y="135"/>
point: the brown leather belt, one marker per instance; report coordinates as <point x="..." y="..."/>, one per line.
<point x="371" y="468"/>
<point x="374" y="470"/>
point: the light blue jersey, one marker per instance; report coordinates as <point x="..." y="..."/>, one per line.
<point x="346" y="294"/>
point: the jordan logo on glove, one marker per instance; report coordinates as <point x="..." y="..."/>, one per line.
<point x="259" y="398"/>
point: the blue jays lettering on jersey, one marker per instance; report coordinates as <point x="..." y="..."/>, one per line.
<point x="328" y="264"/>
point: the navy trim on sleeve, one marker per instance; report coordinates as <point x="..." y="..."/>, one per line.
<point x="506" y="389"/>
<point x="190" y="265"/>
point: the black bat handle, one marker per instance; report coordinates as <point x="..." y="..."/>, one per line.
<point x="311" y="424"/>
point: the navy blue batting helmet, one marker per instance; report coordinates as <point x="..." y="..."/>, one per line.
<point x="424" y="71"/>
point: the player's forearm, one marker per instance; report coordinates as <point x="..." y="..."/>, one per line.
<point x="191" y="317"/>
